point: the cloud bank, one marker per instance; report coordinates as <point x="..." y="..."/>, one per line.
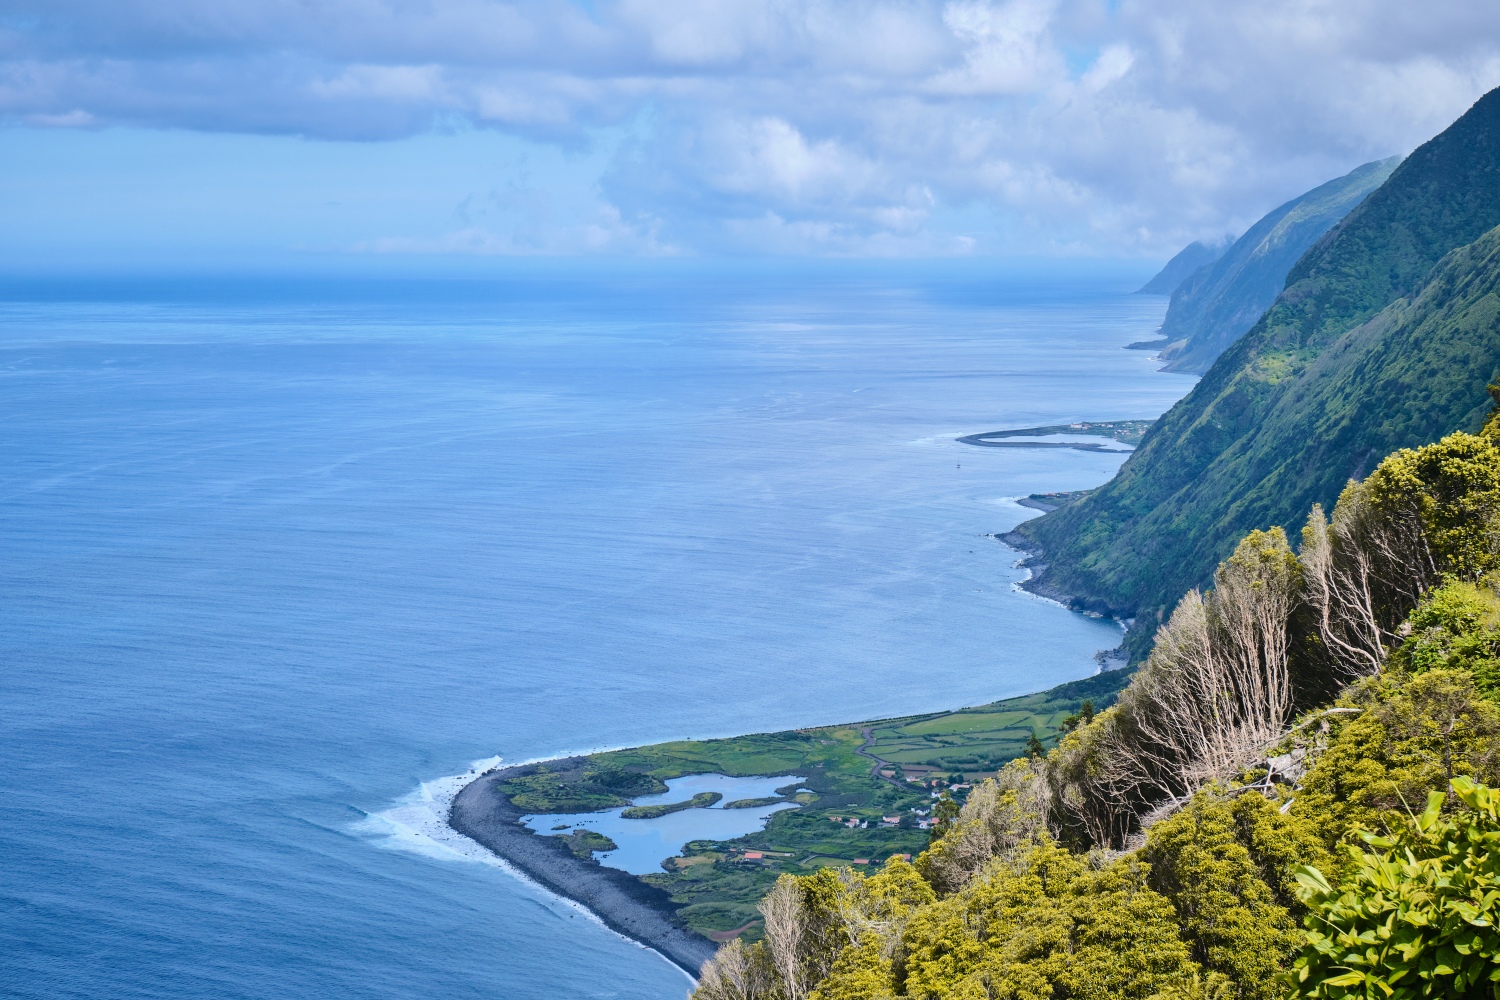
<point x="804" y="126"/>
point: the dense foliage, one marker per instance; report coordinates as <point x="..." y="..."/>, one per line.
<point x="1414" y="918"/>
<point x="1315" y="392"/>
<point x="1237" y="825"/>
<point x="1215" y="306"/>
<point x="1457" y="626"/>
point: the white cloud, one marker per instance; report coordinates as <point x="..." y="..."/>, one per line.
<point x="835" y="126"/>
<point x="394" y="83"/>
<point x="768" y="157"/>
<point x="1006" y="49"/>
<point x="1113" y="63"/>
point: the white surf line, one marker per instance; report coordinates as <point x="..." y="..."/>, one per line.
<point x="418" y="824"/>
<point x="1017" y="586"/>
<point x="418" y="821"/>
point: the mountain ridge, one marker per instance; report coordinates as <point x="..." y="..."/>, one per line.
<point x="1201" y="473"/>
<point x="1183" y="265"/>
<point x="1221" y="301"/>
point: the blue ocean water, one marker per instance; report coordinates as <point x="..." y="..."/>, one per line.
<point x="277" y="556"/>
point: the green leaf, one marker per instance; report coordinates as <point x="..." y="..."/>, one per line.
<point x="1347" y="979"/>
<point x="1434" y="809"/>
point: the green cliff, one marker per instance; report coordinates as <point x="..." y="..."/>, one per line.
<point x="1219" y="303"/>
<point x="1372" y="346"/>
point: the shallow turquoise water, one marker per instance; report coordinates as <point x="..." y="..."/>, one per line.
<point x="278" y="556"/>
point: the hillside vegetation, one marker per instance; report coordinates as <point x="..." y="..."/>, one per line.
<point x="1383" y="338"/>
<point x="1292" y="798"/>
<point x="1220" y="302"/>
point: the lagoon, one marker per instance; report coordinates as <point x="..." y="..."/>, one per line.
<point x="645" y="843"/>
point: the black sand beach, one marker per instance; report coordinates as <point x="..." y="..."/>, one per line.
<point x="639" y="911"/>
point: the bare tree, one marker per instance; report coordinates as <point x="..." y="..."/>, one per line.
<point x="1341" y="590"/>
<point x="786" y="933"/>
<point x="735" y="973"/>
<point x="1254" y="593"/>
<point x="1366" y="569"/>
<point x="1216" y="689"/>
<point x="1422" y="515"/>
<point x="1000" y="815"/>
<point x="1098" y="779"/>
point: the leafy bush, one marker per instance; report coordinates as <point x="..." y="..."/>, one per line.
<point x="1416" y="917"/>
<point x="1410" y="736"/>
<point x="1228" y="914"/>
<point x="1047" y="925"/>
<point x="1457" y="627"/>
<point x="1451" y="491"/>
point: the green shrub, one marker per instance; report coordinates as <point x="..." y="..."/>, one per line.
<point x="1228" y="913"/>
<point x="1457" y="626"/>
<point x="1412" y="734"/>
<point x="1048" y="924"/>
<point x="1414" y="918"/>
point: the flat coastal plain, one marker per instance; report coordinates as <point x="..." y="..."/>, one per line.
<point x="863" y="793"/>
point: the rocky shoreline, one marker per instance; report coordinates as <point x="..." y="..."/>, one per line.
<point x="1038" y="583"/>
<point x="625" y="904"/>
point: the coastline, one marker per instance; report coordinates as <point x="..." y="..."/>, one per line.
<point x="647" y="913"/>
<point x="1037" y="582"/>
<point x="625" y="904"/>
<point x="982" y="441"/>
<point x="837" y="761"/>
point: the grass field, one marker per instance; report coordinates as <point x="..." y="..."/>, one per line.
<point x="864" y="772"/>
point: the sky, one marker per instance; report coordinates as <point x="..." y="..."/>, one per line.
<point x="317" y="130"/>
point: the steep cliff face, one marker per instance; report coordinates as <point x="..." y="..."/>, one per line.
<point x="1372" y="346"/>
<point x="1219" y="303"/>
<point x="1189" y="260"/>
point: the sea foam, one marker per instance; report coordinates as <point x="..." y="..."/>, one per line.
<point x="418" y="822"/>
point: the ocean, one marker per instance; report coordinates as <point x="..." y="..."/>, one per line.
<point x="282" y="556"/>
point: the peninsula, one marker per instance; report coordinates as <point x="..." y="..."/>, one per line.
<point x="863" y="792"/>
<point x="1126" y="432"/>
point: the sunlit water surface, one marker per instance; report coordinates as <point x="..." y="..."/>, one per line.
<point x="281" y="559"/>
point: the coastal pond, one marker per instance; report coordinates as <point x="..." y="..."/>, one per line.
<point x="645" y="843"/>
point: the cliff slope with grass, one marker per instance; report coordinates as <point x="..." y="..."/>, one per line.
<point x="1383" y="338"/>
<point x="1220" y="302"/>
